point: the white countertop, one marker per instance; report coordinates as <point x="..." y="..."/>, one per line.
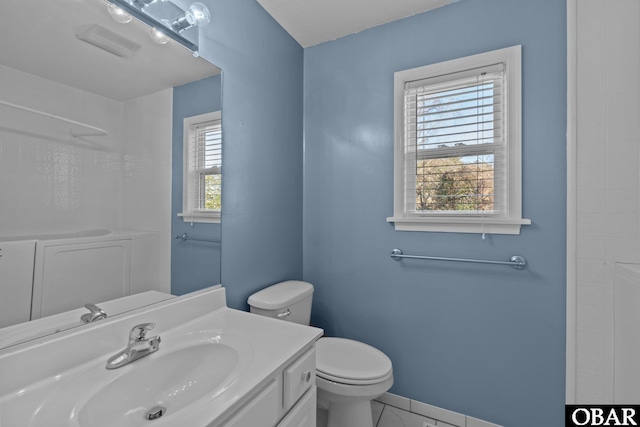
<point x="41" y="369"/>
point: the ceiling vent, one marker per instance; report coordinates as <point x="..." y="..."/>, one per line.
<point x="108" y="40"/>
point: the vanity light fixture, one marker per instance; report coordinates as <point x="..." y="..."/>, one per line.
<point x="197" y="16"/>
<point x="158" y="14"/>
<point x="123" y="17"/>
<point x="141" y="3"/>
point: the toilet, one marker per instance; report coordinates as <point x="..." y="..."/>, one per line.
<point x="349" y="374"/>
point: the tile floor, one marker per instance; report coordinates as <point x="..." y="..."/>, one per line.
<point x="412" y="414"/>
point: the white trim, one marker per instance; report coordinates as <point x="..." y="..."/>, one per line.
<point x="459" y="225"/>
<point x="571" y="262"/>
<point x="512" y="220"/>
<point x="207" y="217"/>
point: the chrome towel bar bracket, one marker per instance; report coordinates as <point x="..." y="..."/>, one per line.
<point x="516" y="261"/>
<point x="184" y="237"/>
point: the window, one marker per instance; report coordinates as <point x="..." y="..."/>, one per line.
<point x="457" y="145"/>
<point x="202" y="182"/>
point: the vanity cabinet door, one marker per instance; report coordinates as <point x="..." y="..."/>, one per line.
<point x="304" y="413"/>
<point x="262" y="410"/>
<point x="299" y="377"/>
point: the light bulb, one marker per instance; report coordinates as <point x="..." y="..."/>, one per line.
<point x="118" y="14"/>
<point x="158" y="36"/>
<point x="197" y="15"/>
<point x="200" y="14"/>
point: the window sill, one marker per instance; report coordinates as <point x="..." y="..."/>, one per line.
<point x="459" y="225"/>
<point x="204" y="217"/>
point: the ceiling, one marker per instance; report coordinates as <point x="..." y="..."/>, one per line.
<point x="311" y="22"/>
<point x="39" y="37"/>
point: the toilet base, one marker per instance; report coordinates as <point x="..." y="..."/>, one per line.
<point x="349" y="405"/>
<point x="351" y="414"/>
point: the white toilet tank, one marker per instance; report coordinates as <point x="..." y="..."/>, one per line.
<point x="290" y="300"/>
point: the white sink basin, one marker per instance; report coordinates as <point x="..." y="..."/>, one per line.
<point x="172" y="380"/>
<point x="186" y="369"/>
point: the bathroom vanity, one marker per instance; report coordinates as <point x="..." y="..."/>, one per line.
<point x="215" y="366"/>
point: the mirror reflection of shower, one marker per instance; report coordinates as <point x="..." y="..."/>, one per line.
<point x="87" y="130"/>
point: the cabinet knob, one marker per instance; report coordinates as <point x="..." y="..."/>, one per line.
<point x="306" y="376"/>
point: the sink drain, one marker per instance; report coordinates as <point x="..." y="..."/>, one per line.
<point x="155" y="412"/>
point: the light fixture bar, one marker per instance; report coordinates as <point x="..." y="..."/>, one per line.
<point x="140" y="15"/>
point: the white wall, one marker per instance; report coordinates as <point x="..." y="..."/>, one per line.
<point x="147" y="184"/>
<point x="608" y="184"/>
<point x="52" y="182"/>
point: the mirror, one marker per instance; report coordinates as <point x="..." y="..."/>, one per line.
<point x="88" y="135"/>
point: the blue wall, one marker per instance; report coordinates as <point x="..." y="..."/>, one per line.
<point x="487" y="341"/>
<point x="262" y="155"/>
<point x="194" y="265"/>
<point x="481" y="340"/>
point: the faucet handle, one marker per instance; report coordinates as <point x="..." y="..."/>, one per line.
<point x="139" y="332"/>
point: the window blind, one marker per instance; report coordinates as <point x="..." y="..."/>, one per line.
<point x="454" y="143"/>
<point x="205" y="166"/>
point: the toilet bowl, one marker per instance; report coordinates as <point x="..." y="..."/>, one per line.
<point x="349" y="374"/>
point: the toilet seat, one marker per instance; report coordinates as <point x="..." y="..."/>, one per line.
<point x="352" y="362"/>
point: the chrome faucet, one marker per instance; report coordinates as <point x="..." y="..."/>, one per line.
<point x="96" y="314"/>
<point x="139" y="346"/>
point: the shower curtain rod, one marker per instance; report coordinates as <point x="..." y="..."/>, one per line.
<point x="516" y="261"/>
<point x="100" y="132"/>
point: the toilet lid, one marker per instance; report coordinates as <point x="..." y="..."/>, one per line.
<point x="344" y="360"/>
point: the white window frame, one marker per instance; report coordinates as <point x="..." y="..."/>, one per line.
<point x="510" y="219"/>
<point x="188" y="214"/>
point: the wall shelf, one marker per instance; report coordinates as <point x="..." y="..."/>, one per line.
<point x="76" y="129"/>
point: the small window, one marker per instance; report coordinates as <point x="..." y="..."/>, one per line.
<point x="202" y="192"/>
<point x="458" y="145"/>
